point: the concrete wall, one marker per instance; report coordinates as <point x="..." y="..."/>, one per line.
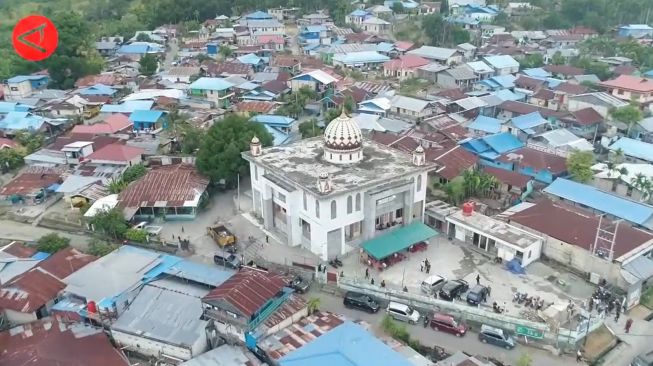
<point x="17" y="318"/>
<point x="17" y="90"/>
<point x="151" y="347"/>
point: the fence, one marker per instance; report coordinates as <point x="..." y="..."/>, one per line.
<point x="473" y="315"/>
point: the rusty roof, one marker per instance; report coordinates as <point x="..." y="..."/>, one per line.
<point x="566" y="70"/>
<point x="587" y="116"/>
<point x="453" y="162"/>
<point x="65" y="262"/>
<point x="226" y="68"/>
<point x="50" y="342"/>
<point x="18" y="250"/>
<point x="539" y="160"/>
<point x="248" y="290"/>
<point x="166" y="186"/>
<point x="257" y="107"/>
<point x="577" y="226"/>
<point x="290" y="307"/>
<point x="508" y="176"/>
<point x="31" y="181"/>
<point x="30" y="291"/>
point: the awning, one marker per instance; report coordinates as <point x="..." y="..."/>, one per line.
<point x="385" y="245"/>
<point x="640" y="267"/>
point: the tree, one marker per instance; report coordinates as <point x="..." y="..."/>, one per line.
<point x="133" y="173"/>
<point x="579" y="165"/>
<point x="219" y="154"/>
<point x="10" y="159"/>
<point x="110" y="222"/>
<point x="629" y="115"/>
<point x="397" y="7"/>
<point x="331" y="114"/>
<point x="29" y="140"/>
<point x="137" y="235"/>
<point x="116" y="185"/>
<point x="143" y="37"/>
<point x="455" y="192"/>
<point x="225" y="51"/>
<point x="531" y="61"/>
<point x="525" y="360"/>
<point x="100" y="248"/>
<point x="444" y="7"/>
<point x="441" y="32"/>
<point x="309" y="128"/>
<point x="558" y="59"/>
<point x="148" y="64"/>
<point x="313" y="305"/>
<point x="349" y="104"/>
<point x="52" y="243"/>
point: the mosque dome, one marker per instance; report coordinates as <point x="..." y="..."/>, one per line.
<point x="343" y="133"/>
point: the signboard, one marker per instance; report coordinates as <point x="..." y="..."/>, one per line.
<point x="529" y="332"/>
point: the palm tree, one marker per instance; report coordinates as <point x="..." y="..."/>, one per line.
<point x="313" y="305"/>
<point x="642" y="184"/>
<point x="618" y="155"/>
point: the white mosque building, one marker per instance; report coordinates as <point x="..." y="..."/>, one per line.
<point x="330" y="194"/>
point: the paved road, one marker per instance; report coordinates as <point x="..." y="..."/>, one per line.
<point x="25" y="232"/>
<point x="469" y="344"/>
<point x="173" y="48"/>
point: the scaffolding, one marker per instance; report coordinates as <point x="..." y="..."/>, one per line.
<point x="606" y="235"/>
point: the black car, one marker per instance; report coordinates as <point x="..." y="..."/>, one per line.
<point x="453" y="289"/>
<point x="361" y="302"/>
<point x="478" y="294"/>
<point x="299" y="284"/>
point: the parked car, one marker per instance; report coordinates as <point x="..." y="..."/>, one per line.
<point x="448" y="324"/>
<point x="645" y="359"/>
<point x="361" y="302"/>
<point x="226" y="259"/>
<point x="299" y="284"/>
<point x="478" y="294"/>
<point x="432" y="284"/>
<point x="496" y="337"/>
<point x="403" y="312"/>
<point x="453" y="289"/>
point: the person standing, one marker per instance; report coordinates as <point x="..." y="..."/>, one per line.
<point x="629" y="323"/>
<point x="478" y="279"/>
<point x="579" y="355"/>
<point x="367" y="273"/>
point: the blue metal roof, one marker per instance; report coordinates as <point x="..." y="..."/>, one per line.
<point x="345" y="345"/>
<point x="134" y="49"/>
<point x="636" y="27"/>
<point x="358" y="13"/>
<point x="128" y="106"/>
<point x="506" y="94"/>
<point x="21" y="121"/>
<point x="360" y="57"/>
<point x="635" y="148"/>
<point x="476" y="146"/>
<point x="385" y="47"/>
<point x="250" y="59"/>
<point x="503" y="142"/>
<point x="486" y="124"/>
<point x="211" y="84"/>
<point x="98" y="89"/>
<point x="279" y="137"/>
<point x="21" y="78"/>
<point x="40" y="255"/>
<point x="594" y="198"/>
<point x="501" y="61"/>
<point x="257" y="15"/>
<point x="198" y="272"/>
<point x="145" y="116"/>
<point x="273" y="120"/>
<point x="537" y="72"/>
<point x="314" y="28"/>
<point x="528" y="121"/>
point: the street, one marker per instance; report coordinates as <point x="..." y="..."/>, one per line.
<point x="11" y="230"/>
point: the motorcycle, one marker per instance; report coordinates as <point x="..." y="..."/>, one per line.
<point x="516" y="296"/>
<point x="333" y="264"/>
<point x="534" y="302"/>
<point x="497" y="309"/>
<point x="337" y="261"/>
<point x="540" y="305"/>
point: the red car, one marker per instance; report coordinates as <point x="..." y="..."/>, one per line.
<point x="448" y="324"/>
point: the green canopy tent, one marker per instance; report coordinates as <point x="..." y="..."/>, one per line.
<point x="386" y="245"/>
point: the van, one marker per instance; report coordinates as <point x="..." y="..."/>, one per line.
<point x="478" y="294"/>
<point x="226" y="259"/>
<point x="403" y="312"/>
<point x="432" y="284"/>
<point x="448" y="324"/>
<point x="361" y="302"/>
<point x="496" y="337"/>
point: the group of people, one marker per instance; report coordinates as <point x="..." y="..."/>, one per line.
<point x="604" y="301"/>
<point x="425" y="265"/>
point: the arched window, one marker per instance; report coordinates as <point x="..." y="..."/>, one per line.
<point x="305" y="203"/>
<point x="419" y="182"/>
<point x="358" y="201"/>
<point x="350" y="204"/>
<point x="333" y="209"/>
<point x="317" y="209"/>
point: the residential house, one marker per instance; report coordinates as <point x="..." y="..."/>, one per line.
<point x="33" y="185"/>
<point x="378" y="106"/>
<point x="316" y="80"/>
<point x="127" y="107"/>
<point x="562" y="41"/>
<point x="601" y="102"/>
<point x="636" y="31"/>
<point x="489" y="148"/>
<point x="481" y="69"/>
<point x="248" y="108"/>
<point x="462" y="77"/>
<point x="407" y="5"/>
<point x="148" y="120"/>
<point x="495" y="83"/>
<point x="216" y="90"/>
<point x="630" y="88"/>
<point x="281" y="123"/>
<point x="356" y="17"/>
<point x="226" y="69"/>
<point x="404" y="67"/>
<point x="510" y="182"/>
<point x="136" y="50"/>
<point x="23" y="86"/>
<point x="180" y="74"/>
<point x="380" y="11"/>
<point x="410" y="108"/>
<point x="540" y="165"/>
<point x="484" y="125"/>
<point x="634" y="151"/>
<point x="445" y="56"/>
<point x="108" y="46"/>
<point x="430" y="7"/>
<point x="490" y="30"/>
<point x="364" y="60"/>
<point x="564" y="72"/>
<point x="258" y="27"/>
<point x="502" y="64"/>
<point x="526" y="125"/>
<point x="174" y="192"/>
<point x="643" y="130"/>
<point x="315" y="19"/>
<point x="116" y="155"/>
<point x="282" y="13"/>
<point x="559" y="142"/>
<point x="468" y="50"/>
<point x="113" y="124"/>
<point x="626" y="180"/>
<point x="584" y="123"/>
<point x="374" y="25"/>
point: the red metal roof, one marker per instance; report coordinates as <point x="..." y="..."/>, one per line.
<point x="587" y="116"/>
<point x="525" y="108"/>
<point x="406" y="62"/>
<point x="6" y="143"/>
<point x="508" y="177"/>
<point x="527" y="157"/>
<point x="275" y="86"/>
<point x="628" y="82"/>
<point x="115" y="123"/>
<point x="248" y="290"/>
<point x="453" y="162"/>
<point x="106" y="79"/>
<point x="18" y="250"/>
<point x="65" y="262"/>
<point x="31" y="181"/>
<point x="566" y="70"/>
<point x="257" y="107"/>
<point x="572" y="89"/>
<point x="267" y="39"/>
<point x="30" y="291"/>
<point x="49" y="342"/>
<point x="576" y="226"/>
<point x="169" y="185"/>
<point x="116" y="152"/>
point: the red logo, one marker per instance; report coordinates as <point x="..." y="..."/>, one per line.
<point x="35" y="38"/>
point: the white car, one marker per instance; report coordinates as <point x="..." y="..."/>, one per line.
<point x="403" y="312"/>
<point x="432" y="284"/>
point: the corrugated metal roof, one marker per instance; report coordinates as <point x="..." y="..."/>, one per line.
<point x="635" y="148"/>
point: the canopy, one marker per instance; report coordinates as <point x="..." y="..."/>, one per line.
<point x="385" y="245"/>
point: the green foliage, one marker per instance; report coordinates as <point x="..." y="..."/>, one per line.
<point x="116" y="186"/>
<point x="331" y="114"/>
<point x="397" y="7"/>
<point x="52" y="243"/>
<point x="219" y="154"/>
<point x="629" y="115"/>
<point x="579" y="165"/>
<point x="110" y="222"/>
<point x="148" y="64"/>
<point x="143" y="37"/>
<point x="478" y="183"/>
<point x="11" y="159"/>
<point x="296" y="102"/>
<point x="225" y="51"/>
<point x="442" y="33"/>
<point x="558" y="59"/>
<point x="30" y="141"/>
<point x="412" y="86"/>
<point x="100" y="248"/>
<point x="607" y="46"/>
<point x="137" y="235"/>
<point x="525" y="360"/>
<point x="455" y="191"/>
<point x="133" y="173"/>
<point x="313" y="305"/>
<point x="531" y="61"/>
<point x="395" y="330"/>
<point x="309" y="128"/>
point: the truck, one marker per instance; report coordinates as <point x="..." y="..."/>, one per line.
<point x="222" y="236"/>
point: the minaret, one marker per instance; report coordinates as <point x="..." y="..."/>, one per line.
<point x="419" y="157"/>
<point x="324" y="183"/>
<point x="255" y="146"/>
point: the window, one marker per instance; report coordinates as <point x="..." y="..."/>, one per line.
<point x="305" y="203"/>
<point x="334" y="210"/>
<point x="358" y="201"/>
<point x="349" y="205"/>
<point x="317" y="209"/>
<point x="419" y="183"/>
<point x="620" y="91"/>
<point x="255" y="172"/>
<point x="281" y="196"/>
